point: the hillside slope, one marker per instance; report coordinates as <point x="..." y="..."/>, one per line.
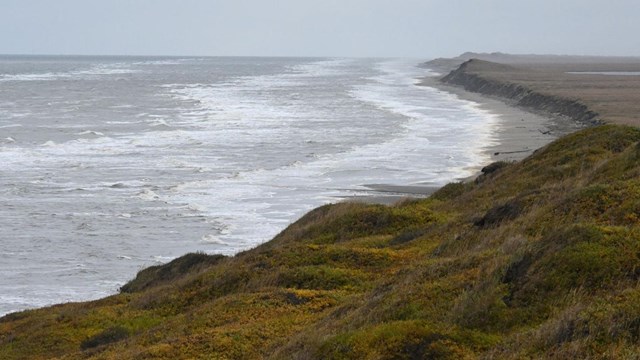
<point x="535" y="259"/>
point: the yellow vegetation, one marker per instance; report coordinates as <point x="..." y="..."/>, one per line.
<point x="536" y="259"/>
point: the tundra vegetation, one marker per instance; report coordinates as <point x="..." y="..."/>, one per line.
<point x="539" y="258"/>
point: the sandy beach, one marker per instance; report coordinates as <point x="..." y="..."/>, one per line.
<point x="390" y="194"/>
<point x="518" y="134"/>
<point x="563" y="93"/>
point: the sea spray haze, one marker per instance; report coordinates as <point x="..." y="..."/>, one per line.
<point x="111" y="164"/>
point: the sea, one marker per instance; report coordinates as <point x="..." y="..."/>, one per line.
<point x="112" y="164"/>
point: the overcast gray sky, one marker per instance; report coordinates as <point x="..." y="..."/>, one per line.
<point x="393" y="28"/>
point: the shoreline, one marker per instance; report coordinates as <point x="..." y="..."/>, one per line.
<point x="519" y="132"/>
<point x="517" y="135"/>
<point x="458" y="276"/>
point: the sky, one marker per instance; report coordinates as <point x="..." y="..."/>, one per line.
<point x="358" y="28"/>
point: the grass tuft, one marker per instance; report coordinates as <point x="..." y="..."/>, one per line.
<point x="538" y="259"/>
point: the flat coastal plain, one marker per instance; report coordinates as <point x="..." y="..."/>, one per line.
<point x="607" y="86"/>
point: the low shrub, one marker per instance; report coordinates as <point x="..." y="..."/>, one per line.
<point x="108" y="336"/>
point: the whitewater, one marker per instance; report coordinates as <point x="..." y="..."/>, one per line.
<point x="112" y="164"/>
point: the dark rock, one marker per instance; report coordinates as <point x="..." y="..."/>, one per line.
<point x="499" y="214"/>
<point x="493" y="167"/>
<point x="164" y="274"/>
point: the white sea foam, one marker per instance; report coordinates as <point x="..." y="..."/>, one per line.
<point x="167" y="62"/>
<point x="32" y="77"/>
<point x="213" y="162"/>
<point x="162" y="259"/>
<point x="213" y="239"/>
<point x="92" y="72"/>
<point x="50" y="143"/>
<point x="90" y="132"/>
<point x="431" y="130"/>
<point x="148" y="195"/>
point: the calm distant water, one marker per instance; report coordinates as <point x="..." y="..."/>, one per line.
<point x="610" y="73"/>
<point x="108" y="165"/>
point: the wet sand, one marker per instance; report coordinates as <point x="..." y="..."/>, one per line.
<point x="615" y="99"/>
<point x="390" y="194"/>
<point x="518" y="135"/>
<point x="519" y="132"/>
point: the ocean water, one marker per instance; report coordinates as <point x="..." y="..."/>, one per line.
<point x="108" y="165"/>
<point x="610" y="73"/>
